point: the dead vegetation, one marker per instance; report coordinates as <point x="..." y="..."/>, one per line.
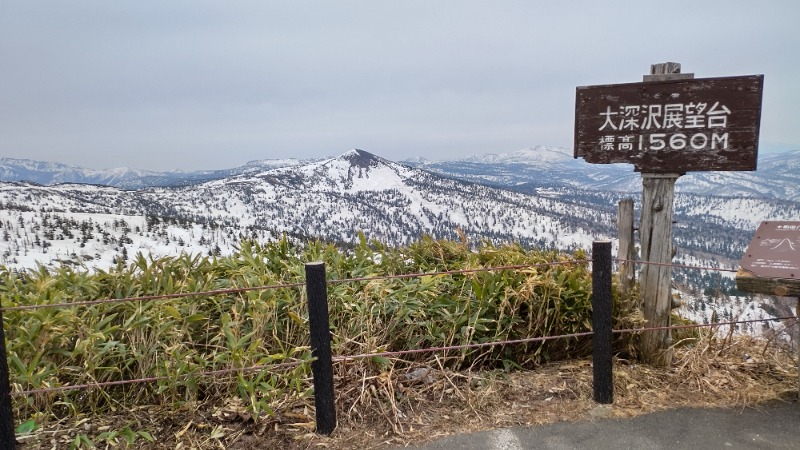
<point x="396" y="404"/>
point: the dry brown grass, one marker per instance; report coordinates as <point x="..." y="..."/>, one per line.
<point x="392" y="408"/>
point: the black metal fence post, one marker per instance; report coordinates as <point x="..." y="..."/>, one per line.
<point x="601" y="322"/>
<point x="7" y="438"/>
<point x="322" y="366"/>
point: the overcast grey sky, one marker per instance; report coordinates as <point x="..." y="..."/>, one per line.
<point x="199" y="84"/>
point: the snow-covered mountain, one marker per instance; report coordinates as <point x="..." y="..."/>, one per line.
<point x="540" y="166"/>
<point x="50" y="173"/>
<point x="41" y="172"/>
<point x="332" y="199"/>
<point x="96" y="227"/>
<point x="336" y="198"/>
<point x="777" y="176"/>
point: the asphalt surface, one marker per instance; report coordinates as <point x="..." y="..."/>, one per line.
<point x="773" y="426"/>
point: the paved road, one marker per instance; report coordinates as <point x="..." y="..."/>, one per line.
<point x="774" y="426"/>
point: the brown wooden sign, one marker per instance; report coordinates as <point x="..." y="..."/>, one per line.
<point x="774" y="251"/>
<point x="677" y="126"/>
<point x="771" y="264"/>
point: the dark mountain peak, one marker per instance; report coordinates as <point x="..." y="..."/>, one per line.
<point x="360" y="158"/>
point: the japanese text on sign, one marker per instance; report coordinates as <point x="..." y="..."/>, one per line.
<point x="670" y="117"/>
<point x="671" y="126"/>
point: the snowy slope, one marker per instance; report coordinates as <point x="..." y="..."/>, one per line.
<point x="332" y="199"/>
<point x="336" y="198"/>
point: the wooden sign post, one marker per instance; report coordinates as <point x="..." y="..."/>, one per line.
<point x="668" y="125"/>
<point x="771" y="266"/>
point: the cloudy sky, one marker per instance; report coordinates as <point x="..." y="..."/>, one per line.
<point x="212" y="84"/>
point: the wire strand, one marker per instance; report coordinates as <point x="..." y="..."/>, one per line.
<point x="274" y="286"/>
<point x="458" y="271"/>
<point x="152" y="297"/>
<point x="154" y="379"/>
<point x="699" y="325"/>
<point x="462" y="347"/>
<point x="682" y="266"/>
<point x="379" y="354"/>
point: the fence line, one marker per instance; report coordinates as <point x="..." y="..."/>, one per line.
<point x="152" y="297"/>
<point x="702" y="325"/>
<point x="682" y="266"/>
<point x="337" y="281"/>
<point x="103" y="384"/>
<point x="462" y="346"/>
<point x="601" y="261"/>
<point x="548" y="338"/>
<point x="278" y="286"/>
<point x="341" y="358"/>
<point x="459" y="271"/>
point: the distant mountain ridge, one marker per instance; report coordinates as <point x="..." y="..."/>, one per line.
<point x="50" y="173"/>
<point x="777" y="175"/>
<point x="12" y="169"/>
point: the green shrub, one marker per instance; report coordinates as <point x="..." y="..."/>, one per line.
<point x="176" y="339"/>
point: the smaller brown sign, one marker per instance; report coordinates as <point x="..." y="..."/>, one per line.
<point x="677" y="126"/>
<point x="774" y="251"/>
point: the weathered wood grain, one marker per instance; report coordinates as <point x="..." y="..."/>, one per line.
<point x="747" y="282"/>
<point x="655" y="234"/>
<point x="626" y="250"/>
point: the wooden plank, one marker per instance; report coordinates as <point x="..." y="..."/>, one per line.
<point x="747" y="282"/>
<point x="672" y="126"/>
<point x="678" y="76"/>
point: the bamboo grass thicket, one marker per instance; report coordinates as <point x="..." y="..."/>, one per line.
<point x="176" y="338"/>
